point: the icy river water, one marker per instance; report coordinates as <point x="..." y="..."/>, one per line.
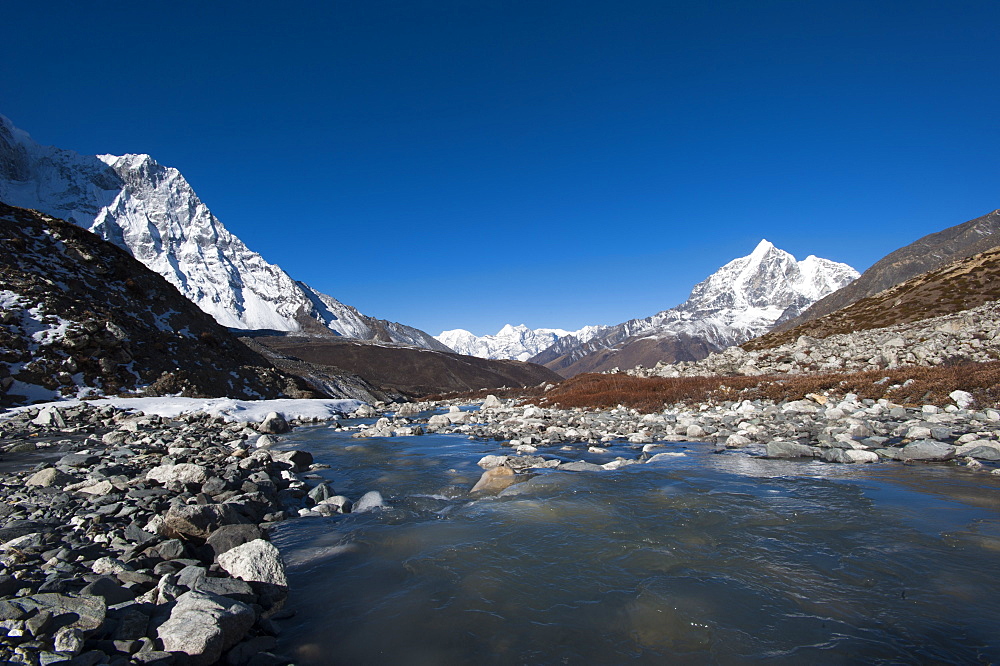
<point x="704" y="558"/>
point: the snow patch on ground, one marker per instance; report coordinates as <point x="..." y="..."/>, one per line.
<point x="9" y="300"/>
<point x="53" y="332"/>
<point x="33" y="392"/>
<point x="234" y="411"/>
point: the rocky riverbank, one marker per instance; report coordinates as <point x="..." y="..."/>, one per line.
<point x="137" y="539"/>
<point x="844" y="430"/>
<point x="133" y="539"/>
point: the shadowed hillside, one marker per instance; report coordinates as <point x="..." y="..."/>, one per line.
<point x="959" y="286"/>
<point x="926" y="254"/>
<point x="80" y="316"/>
<point x="410" y="370"/>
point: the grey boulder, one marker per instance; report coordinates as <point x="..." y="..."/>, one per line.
<point x="928" y="450"/>
<point x="203" y="626"/>
<point x="200" y="520"/>
<point x="181" y="473"/>
<point x="274" y="424"/>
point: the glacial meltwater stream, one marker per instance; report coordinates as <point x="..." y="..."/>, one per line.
<point x="703" y="558"/>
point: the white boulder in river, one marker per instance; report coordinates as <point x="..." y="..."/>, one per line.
<point x="370" y="500"/>
<point x="257" y="561"/>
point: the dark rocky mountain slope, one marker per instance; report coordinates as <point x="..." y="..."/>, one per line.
<point x="410" y="370"/>
<point x="79" y="316"/>
<point x="629" y="352"/>
<point x="929" y="253"/>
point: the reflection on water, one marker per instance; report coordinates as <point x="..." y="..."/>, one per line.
<point x="704" y="559"/>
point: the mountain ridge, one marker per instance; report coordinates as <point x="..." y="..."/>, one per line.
<point x="152" y="211"/>
<point x="927" y="253"/>
<point x="80" y="316"/>
<point x="962" y="285"/>
<point x="742" y="299"/>
<point x="511" y="342"/>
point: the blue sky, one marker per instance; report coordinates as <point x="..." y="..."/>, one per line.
<point x="465" y="164"/>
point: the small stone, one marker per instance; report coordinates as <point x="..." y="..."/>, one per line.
<point x="918" y="432"/>
<point x="153" y="658"/>
<point x="109" y="565"/>
<point x="491" y="402"/>
<point x="200" y="520"/>
<point x="299" y="460"/>
<point x="666" y="456"/>
<point x="737" y="441"/>
<point x="186" y="473"/>
<point x="171" y="549"/>
<point x="489" y="462"/>
<point x="69" y="639"/>
<point x="963" y="399"/>
<point x="695" y="430"/>
<point x="256" y="560"/>
<point x="494" y="480"/>
<point x="580" y="466"/>
<point x="79" y="460"/>
<point x="339" y="503"/>
<point x="50" y="477"/>
<point x="849" y="456"/>
<point x="984" y="453"/>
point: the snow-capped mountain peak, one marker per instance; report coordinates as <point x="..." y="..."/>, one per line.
<point x="744" y="298"/>
<point x="767" y="278"/>
<point x="511" y="342"/>
<point x="151" y="211"/>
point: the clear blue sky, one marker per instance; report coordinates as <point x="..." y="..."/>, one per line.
<point x="558" y="163"/>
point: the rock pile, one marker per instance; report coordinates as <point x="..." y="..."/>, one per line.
<point x="143" y="539"/>
<point x="972" y="335"/>
<point x="846" y="430"/>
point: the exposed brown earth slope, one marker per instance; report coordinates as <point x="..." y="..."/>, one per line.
<point x="926" y="254"/>
<point x="79" y="313"/>
<point x="410" y="370"/>
<point x="959" y="286"/>
<point x="333" y="382"/>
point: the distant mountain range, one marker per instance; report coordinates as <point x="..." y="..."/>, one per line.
<point x="511" y="342"/>
<point x="153" y="213"/>
<point x="741" y="300"/>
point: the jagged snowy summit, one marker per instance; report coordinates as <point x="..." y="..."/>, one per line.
<point x="743" y="299"/>
<point x="151" y="211"/>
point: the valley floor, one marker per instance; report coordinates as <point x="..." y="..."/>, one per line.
<point x="121" y="512"/>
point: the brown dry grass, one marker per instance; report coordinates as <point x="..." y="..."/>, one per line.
<point x="910" y="386"/>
